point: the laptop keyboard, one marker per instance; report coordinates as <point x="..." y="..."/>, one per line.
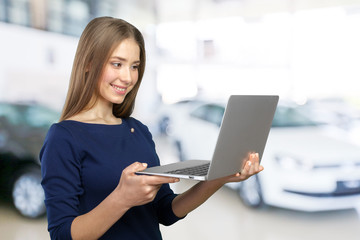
<point x="200" y="170"/>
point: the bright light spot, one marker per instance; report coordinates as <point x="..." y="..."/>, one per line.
<point x="176" y="82"/>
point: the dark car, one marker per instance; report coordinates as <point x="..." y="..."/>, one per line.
<point x="23" y="128"/>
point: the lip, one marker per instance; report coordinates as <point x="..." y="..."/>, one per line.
<point x="119" y="89"/>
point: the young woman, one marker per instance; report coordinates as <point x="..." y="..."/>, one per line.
<point x="90" y="156"/>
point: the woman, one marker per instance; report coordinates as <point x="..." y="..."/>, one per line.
<point x="90" y="157"/>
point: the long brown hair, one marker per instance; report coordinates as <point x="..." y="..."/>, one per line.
<point x="98" y="40"/>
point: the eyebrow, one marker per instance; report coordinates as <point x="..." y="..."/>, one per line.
<point x="123" y="59"/>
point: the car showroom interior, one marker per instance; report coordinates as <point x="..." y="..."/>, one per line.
<point x="198" y="54"/>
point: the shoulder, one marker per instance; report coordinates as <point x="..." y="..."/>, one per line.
<point x="62" y="132"/>
<point x="133" y="122"/>
<point x="138" y="126"/>
<point x="59" y="139"/>
<point x="60" y="129"/>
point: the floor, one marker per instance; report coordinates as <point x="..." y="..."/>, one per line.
<point x="222" y="217"/>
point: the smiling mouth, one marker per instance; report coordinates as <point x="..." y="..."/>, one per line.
<point x="119" y="89"/>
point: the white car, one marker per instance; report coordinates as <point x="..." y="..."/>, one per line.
<point x="308" y="166"/>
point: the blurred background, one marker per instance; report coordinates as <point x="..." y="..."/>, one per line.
<point x="198" y="53"/>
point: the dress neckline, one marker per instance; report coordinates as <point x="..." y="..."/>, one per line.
<point x="96" y="124"/>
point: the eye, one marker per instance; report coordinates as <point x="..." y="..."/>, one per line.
<point x="135" y="67"/>
<point x="116" y="64"/>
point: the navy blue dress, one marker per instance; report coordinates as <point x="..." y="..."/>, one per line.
<point x="82" y="164"/>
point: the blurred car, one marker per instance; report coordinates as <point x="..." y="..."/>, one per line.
<point x="308" y="166"/>
<point x="335" y="111"/>
<point x="23" y="128"/>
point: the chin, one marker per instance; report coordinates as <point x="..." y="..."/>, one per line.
<point x="118" y="100"/>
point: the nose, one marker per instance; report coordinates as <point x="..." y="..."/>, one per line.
<point x="125" y="76"/>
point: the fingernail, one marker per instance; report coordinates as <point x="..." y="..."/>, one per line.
<point x="144" y="164"/>
<point x="249" y="163"/>
<point x="257" y="154"/>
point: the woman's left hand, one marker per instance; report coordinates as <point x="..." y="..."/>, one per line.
<point x="198" y="194"/>
<point x="251" y="167"/>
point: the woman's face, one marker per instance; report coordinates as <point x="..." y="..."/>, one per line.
<point x="121" y="72"/>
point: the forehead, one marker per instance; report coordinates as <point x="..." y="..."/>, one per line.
<point x="127" y="49"/>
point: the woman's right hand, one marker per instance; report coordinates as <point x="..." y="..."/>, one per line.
<point x="135" y="190"/>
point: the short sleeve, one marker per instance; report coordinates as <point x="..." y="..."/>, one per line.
<point x="61" y="171"/>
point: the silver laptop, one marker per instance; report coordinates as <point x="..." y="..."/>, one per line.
<point x="245" y="128"/>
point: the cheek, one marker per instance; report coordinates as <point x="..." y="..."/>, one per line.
<point x="135" y="78"/>
<point x="104" y="83"/>
<point x="107" y="77"/>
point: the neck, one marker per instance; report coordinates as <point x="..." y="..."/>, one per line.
<point x="100" y="112"/>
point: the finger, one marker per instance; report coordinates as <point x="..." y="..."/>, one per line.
<point x="252" y="169"/>
<point x="245" y="171"/>
<point x="247" y="159"/>
<point x="252" y="161"/>
<point x="157" y="180"/>
<point x="256" y="162"/>
<point x="254" y="157"/>
<point x="257" y="166"/>
<point x="135" y="167"/>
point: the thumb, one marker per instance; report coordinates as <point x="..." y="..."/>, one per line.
<point x="137" y="166"/>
